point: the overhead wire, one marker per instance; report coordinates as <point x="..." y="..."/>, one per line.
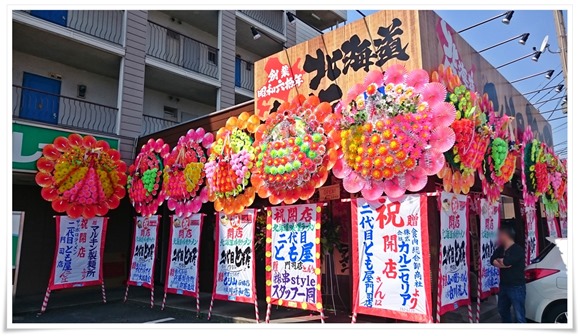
<point x="545" y="85"/>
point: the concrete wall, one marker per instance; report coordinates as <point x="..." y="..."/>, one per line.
<point x="154" y="101"/>
<point x="100" y="89"/>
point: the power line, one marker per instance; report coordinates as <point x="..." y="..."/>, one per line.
<point x="548" y="100"/>
<point x="560" y="126"/>
<point x="556" y="108"/>
<point x="545" y="85"/>
<point x="561" y="143"/>
<point x="557" y="118"/>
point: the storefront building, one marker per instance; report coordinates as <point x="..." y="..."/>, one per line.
<point x="327" y="65"/>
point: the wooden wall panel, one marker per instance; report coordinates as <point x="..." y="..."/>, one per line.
<point x="346" y="55"/>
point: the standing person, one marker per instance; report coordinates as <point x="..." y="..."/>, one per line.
<point x="509" y="257"/>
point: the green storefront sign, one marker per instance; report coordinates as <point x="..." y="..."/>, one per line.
<point x="28" y="141"/>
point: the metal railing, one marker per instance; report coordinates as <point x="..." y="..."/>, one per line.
<point x="40" y="106"/>
<point x="271" y="18"/>
<point x="104" y="24"/>
<point x="244" y="74"/>
<point x="172" y="47"/>
<point x="153" y="124"/>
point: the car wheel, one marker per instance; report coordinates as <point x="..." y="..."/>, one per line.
<point x="556" y="314"/>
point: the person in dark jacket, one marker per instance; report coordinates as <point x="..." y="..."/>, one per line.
<point x="509" y="257"/>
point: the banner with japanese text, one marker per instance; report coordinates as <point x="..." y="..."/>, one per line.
<point x="531" y="233"/>
<point x="78" y="258"/>
<point x="144" y="251"/>
<point x="183" y="255"/>
<point x="391" y="274"/>
<point x="293" y="275"/>
<point x="235" y="257"/>
<point x="454" y="247"/>
<point x="564" y="224"/>
<point x="488" y="225"/>
<point x="553" y="226"/>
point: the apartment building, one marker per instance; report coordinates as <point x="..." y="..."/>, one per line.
<point x="119" y="75"/>
<point x="124" y="74"/>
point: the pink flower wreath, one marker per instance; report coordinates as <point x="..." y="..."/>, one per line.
<point x="395" y="129"/>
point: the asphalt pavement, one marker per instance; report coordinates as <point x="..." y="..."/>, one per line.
<point x="112" y="312"/>
<point x="87" y="307"/>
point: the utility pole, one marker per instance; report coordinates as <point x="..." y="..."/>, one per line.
<point x="563" y="44"/>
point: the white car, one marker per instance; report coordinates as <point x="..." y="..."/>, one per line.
<point x="546" y="284"/>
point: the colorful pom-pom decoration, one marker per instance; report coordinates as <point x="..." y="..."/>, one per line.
<point x="499" y="164"/>
<point x="544" y="174"/>
<point x="557" y="180"/>
<point x="145" y="182"/>
<point x="232" y="158"/>
<point x="183" y="173"/>
<point x="81" y="176"/>
<point x="295" y="149"/>
<point x="472" y="133"/>
<point x="531" y="154"/>
<point x="394" y="131"/>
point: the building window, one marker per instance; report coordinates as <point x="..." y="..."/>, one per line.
<point x="212" y="57"/>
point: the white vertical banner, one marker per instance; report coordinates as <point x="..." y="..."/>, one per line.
<point x="531" y="233"/>
<point x="391" y="273"/>
<point x="454" y="247"/>
<point x="234" y="257"/>
<point x="144" y="250"/>
<point x="78" y="259"/>
<point x="293" y="274"/>
<point x="553" y="229"/>
<point x="489" y="224"/>
<point x="182" y="276"/>
<point x="564" y="224"/>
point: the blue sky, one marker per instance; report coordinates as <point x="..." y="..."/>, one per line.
<point x="536" y="22"/>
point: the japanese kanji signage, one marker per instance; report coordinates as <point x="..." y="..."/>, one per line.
<point x="531" y="233"/>
<point x="391" y="275"/>
<point x="144" y="250"/>
<point x="293" y="275"/>
<point x="553" y="226"/>
<point x="234" y="257"/>
<point x="78" y="259"/>
<point x="183" y="256"/>
<point x="488" y="226"/>
<point x="329" y="65"/>
<point x="454" y="247"/>
<point x="564" y="223"/>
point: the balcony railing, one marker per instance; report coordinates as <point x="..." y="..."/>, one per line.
<point x="244" y="74"/>
<point x="175" y="48"/>
<point x="271" y="18"/>
<point x="153" y="124"/>
<point x="104" y="24"/>
<point x="49" y="108"/>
